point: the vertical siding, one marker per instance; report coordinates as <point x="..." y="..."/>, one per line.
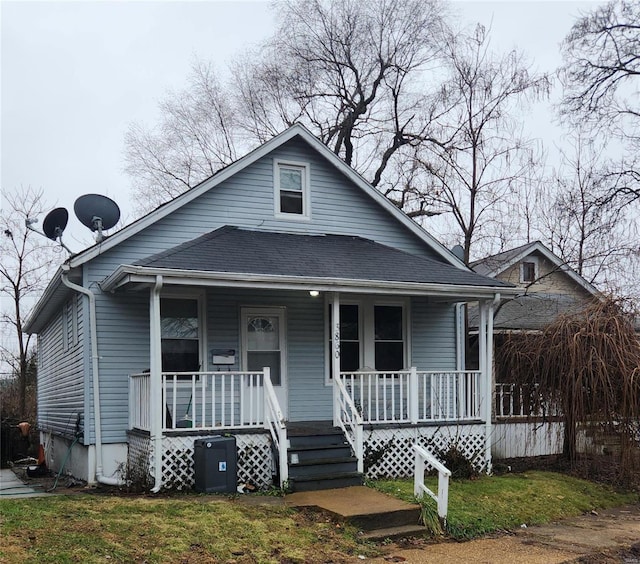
<point x="61" y="374"/>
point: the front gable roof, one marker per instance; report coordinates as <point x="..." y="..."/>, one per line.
<point x="296" y="130"/>
<point x="318" y="258"/>
<point x="496" y="264"/>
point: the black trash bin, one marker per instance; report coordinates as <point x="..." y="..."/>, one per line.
<point x="216" y="464"/>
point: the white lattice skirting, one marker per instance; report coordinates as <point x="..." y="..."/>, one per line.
<point x="389" y="452"/>
<point x="255" y="461"/>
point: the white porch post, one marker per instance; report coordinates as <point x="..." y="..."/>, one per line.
<point x="486" y="366"/>
<point x="335" y="350"/>
<point x="156" y="409"/>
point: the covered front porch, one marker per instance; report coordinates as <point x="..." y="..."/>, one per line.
<point x="371" y="409"/>
<point x="319" y="328"/>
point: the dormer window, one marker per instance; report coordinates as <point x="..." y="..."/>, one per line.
<point x="529" y="270"/>
<point x="291" y="186"/>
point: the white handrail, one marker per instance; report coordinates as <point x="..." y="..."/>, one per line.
<point x="349" y="420"/>
<point x="419" y="488"/>
<point x="274" y="421"/>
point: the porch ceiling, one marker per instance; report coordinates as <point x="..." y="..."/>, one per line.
<point x="322" y="262"/>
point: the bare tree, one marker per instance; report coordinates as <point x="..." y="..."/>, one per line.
<point x="600" y="75"/>
<point x="479" y="170"/>
<point x="587" y="363"/>
<point x="590" y="232"/>
<point x="197" y="136"/>
<point x="24" y="271"/>
<point x="352" y="71"/>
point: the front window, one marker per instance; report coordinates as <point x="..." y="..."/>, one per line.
<point x="373" y="336"/>
<point x="389" y="340"/>
<point x="528" y="271"/>
<point x="349" y="338"/>
<point x="180" y="335"/>
<point x="291" y="182"/>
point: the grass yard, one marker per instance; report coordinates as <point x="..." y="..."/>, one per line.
<point x="97" y="528"/>
<point x="495" y="503"/>
<point x="91" y="528"/>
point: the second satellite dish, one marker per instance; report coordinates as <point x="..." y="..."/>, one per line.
<point x="55" y="222"/>
<point x="97" y="212"/>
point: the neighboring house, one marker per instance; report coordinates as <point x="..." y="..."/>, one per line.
<point x="549" y="288"/>
<point x="233" y="308"/>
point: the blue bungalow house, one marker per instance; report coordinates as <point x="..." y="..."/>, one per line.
<point x="283" y="301"/>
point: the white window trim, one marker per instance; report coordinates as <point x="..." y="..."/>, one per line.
<point x="366" y="328"/>
<point x="306" y="193"/>
<point x="200" y="296"/>
<point x="533" y="260"/>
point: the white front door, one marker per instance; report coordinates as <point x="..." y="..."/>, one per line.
<point x="264" y="344"/>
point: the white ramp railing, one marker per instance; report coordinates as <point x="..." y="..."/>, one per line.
<point x="419" y="487"/>
<point x="274" y="421"/>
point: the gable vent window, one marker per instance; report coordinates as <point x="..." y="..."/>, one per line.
<point x="528" y="271"/>
<point x="291" y="183"/>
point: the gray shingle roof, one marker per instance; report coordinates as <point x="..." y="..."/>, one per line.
<point x="531" y="312"/>
<point x="496" y="263"/>
<point x="233" y="250"/>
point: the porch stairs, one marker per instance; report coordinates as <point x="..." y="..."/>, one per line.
<point x="320" y="458"/>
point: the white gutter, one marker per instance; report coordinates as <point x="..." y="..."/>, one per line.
<point x="97" y="418"/>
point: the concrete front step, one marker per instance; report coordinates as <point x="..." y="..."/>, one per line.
<point x="377" y="515"/>
<point x="394" y="533"/>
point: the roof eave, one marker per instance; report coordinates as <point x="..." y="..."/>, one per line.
<point x="131" y="274"/>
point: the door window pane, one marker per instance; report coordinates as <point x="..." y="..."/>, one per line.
<point x="257" y="360"/>
<point x="263" y="333"/>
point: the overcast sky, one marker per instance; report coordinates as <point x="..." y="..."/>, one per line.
<point x="76" y="74"/>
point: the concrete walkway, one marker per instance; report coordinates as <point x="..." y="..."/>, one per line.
<point x="12" y="487"/>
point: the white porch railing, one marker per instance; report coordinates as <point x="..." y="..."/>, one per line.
<point x="522" y="401"/>
<point x="347" y="417"/>
<point x="274" y="421"/>
<point x="140" y="402"/>
<point x="203" y="400"/>
<point x="419" y="487"/>
<point x="409" y="396"/>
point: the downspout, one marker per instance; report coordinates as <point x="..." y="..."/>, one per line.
<point x="489" y="380"/>
<point x="95" y="380"/>
<point x="155" y="373"/>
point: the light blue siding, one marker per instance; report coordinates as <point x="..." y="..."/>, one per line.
<point x="60" y="373"/>
<point x="433" y="335"/>
<point x="247" y="200"/>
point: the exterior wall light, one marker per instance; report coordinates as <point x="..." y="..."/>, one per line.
<point x="314" y="293"/>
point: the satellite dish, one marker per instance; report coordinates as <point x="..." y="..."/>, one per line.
<point x="97" y="212"/>
<point x="55" y="222"/>
<point x="458" y="251"/>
